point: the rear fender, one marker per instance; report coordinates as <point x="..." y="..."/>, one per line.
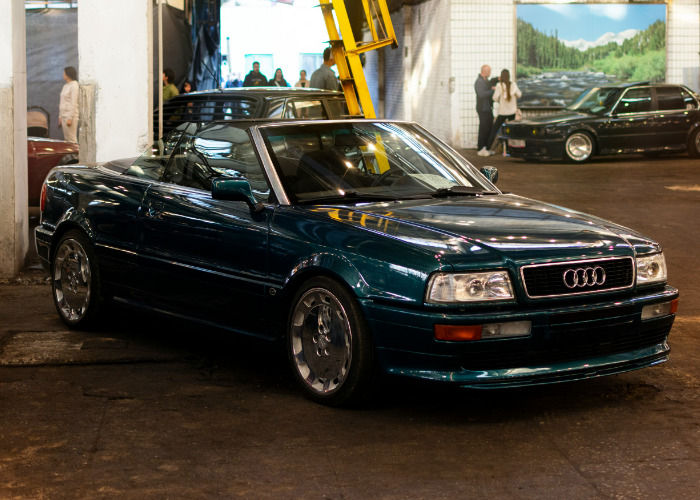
<point x="73" y="219"/>
<point x="695" y="126"/>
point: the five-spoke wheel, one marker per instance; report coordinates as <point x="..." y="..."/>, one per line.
<point x="579" y="146"/>
<point x="330" y="347"/>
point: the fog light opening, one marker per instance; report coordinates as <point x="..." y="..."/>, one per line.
<point x="661" y="309"/>
<point x="509" y="329"/>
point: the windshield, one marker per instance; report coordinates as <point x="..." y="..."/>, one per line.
<point x="596" y="100"/>
<point x="364" y="160"/>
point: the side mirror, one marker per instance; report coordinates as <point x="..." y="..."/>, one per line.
<point x="491" y="173"/>
<point x="235" y="190"/>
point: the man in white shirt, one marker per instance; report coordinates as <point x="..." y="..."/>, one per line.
<point x="68" y="109"/>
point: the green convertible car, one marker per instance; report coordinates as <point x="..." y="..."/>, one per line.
<point x="366" y="246"/>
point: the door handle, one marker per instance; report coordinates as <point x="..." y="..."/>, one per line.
<point x="154" y="209"/>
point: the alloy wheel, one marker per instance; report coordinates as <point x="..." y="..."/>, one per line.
<point x="72" y="280"/>
<point x="579" y="147"/>
<point x="321" y="341"/>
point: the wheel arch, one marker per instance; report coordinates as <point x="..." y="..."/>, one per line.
<point x="693" y="128"/>
<point x="70" y="220"/>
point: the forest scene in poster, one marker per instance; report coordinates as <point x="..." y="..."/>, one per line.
<point x="563" y="49"/>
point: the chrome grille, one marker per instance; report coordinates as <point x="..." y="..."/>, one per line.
<point x="546" y="280"/>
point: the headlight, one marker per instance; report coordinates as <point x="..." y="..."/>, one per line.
<point x="651" y="269"/>
<point x="469" y="287"/>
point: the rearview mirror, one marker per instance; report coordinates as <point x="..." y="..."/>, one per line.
<point x="235" y="190"/>
<point x="491" y="173"/>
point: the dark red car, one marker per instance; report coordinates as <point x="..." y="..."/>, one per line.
<point x="43" y="155"/>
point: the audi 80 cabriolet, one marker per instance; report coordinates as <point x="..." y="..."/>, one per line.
<point x="368" y="246"/>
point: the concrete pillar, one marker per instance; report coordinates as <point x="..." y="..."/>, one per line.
<point x="113" y="48"/>
<point x="14" y="229"/>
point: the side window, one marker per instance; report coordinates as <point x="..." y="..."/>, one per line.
<point x="217" y="151"/>
<point x="635" y="101"/>
<point x="669" y="98"/>
<point x="274" y="109"/>
<point x="151" y="164"/>
<point x="338" y="108"/>
<point x="688" y="101"/>
<point x="305" y="110"/>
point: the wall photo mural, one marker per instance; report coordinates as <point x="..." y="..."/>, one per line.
<point x="563" y="49"/>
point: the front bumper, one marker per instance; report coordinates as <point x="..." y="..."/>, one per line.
<point x="536" y="149"/>
<point x="554" y="352"/>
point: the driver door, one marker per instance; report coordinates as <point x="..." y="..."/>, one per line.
<point x="631" y="127"/>
<point x="206" y="258"/>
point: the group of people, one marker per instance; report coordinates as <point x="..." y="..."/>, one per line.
<point x="501" y="90"/>
<point x="322" y="78"/>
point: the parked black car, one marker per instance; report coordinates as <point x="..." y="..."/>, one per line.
<point x="249" y="103"/>
<point x="634" y="118"/>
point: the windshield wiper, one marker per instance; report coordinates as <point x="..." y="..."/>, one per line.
<point x="460" y="191"/>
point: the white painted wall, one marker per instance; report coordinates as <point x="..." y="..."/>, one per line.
<point x="14" y="242"/>
<point x="113" y="39"/>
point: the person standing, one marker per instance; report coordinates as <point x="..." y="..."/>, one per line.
<point x="169" y="88"/>
<point x="255" y="78"/>
<point x="68" y="107"/>
<point x="506" y="95"/>
<point x="484" y="103"/>
<point x="278" y="80"/>
<point x="303" y="82"/>
<point x="323" y="77"/>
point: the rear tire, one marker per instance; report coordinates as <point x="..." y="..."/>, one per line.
<point x="75" y="281"/>
<point x="694" y="144"/>
<point x="330" y="346"/>
<point x="579" y="147"/>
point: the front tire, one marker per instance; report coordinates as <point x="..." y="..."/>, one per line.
<point x="75" y="281"/>
<point x="579" y="147"/>
<point x="329" y="343"/>
<point x="694" y="144"/>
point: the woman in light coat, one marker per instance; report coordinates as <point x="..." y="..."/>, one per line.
<point x="506" y="95"/>
<point x="68" y="106"/>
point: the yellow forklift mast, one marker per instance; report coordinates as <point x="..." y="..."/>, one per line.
<point x="346" y="50"/>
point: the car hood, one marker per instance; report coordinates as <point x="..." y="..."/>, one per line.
<point x="469" y="230"/>
<point x="555" y="119"/>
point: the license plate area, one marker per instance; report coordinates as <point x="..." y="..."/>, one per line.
<point x="516" y="143"/>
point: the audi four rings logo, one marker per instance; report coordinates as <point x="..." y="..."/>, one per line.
<point x="581" y="277"/>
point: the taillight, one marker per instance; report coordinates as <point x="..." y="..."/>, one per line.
<point x="42" y="203"/>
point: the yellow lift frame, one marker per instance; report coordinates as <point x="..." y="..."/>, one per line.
<point x="346" y="51"/>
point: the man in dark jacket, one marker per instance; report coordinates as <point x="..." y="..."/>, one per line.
<point x="255" y="78"/>
<point x="484" y="105"/>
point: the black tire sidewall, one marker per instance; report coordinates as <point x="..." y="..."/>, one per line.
<point x="692" y="145"/>
<point x="96" y="300"/>
<point x="566" y="150"/>
<point x="357" y="385"/>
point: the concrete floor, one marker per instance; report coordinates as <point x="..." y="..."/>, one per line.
<point x="150" y="408"/>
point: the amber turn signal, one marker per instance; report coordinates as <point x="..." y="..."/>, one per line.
<point x="458" y="333"/>
<point x="674" y="306"/>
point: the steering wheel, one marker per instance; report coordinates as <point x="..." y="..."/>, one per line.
<point x="386" y="174"/>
